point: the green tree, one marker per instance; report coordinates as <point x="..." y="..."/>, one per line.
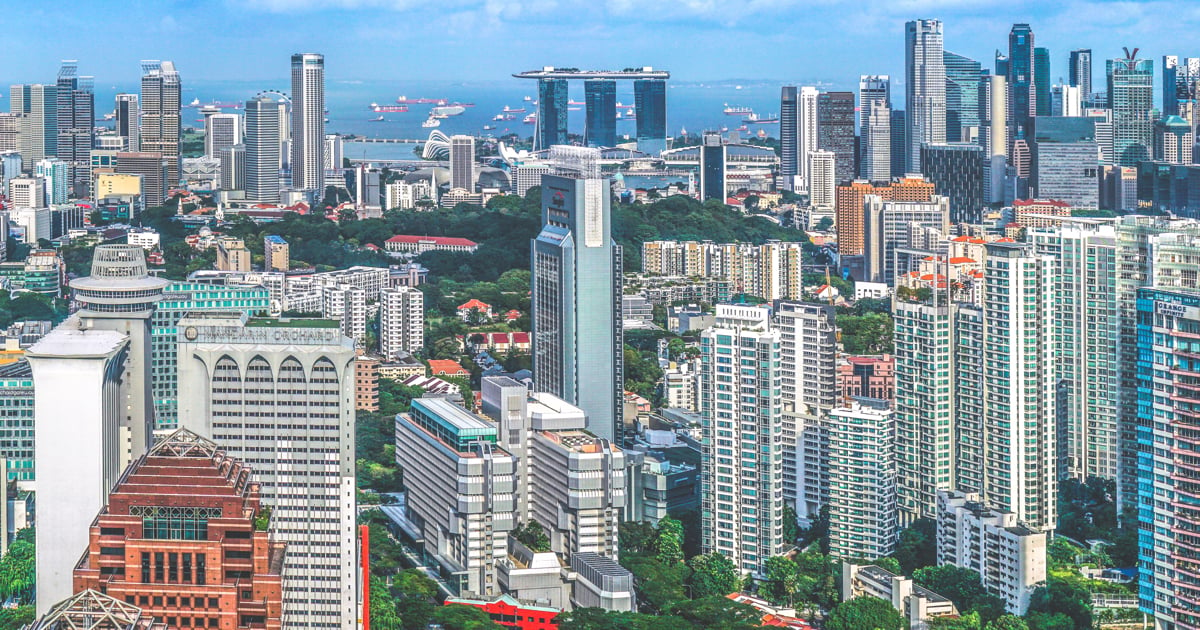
<point x="1062" y="597"/>
<point x="532" y="535"/>
<point x="961" y="586"/>
<point x="18" y="569"/>
<point x="864" y="613"/>
<point x="1049" y="621"/>
<point x="781" y="580"/>
<point x="17" y="618"/>
<point x="969" y="621"/>
<point x="867" y="334"/>
<point x="714" y="574"/>
<point x="1007" y="622"/>
<point x="717" y="613"/>
<point x="791" y="528"/>
<point x="463" y="617"/>
<point x="918" y="546"/>
<point x="416" y="598"/>
<point x="668" y="543"/>
<point x="383" y="607"/>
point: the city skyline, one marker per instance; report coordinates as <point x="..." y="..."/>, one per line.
<point x="515" y="36"/>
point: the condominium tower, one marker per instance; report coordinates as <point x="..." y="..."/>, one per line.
<point x="308" y="123"/>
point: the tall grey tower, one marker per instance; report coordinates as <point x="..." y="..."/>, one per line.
<point x="37" y="126"/>
<point x="577" y="335"/>
<point x="76" y="129"/>
<point x="126" y="113"/>
<point x="1080" y="72"/>
<point x="308" y="123"/>
<point x="161" y="93"/>
<point x="788" y="111"/>
<point x="875" y="127"/>
<point x="925" y="85"/>
<point x="262" y="148"/>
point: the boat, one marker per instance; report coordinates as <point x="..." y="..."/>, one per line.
<point x="504" y="117"/>
<point x="737" y="111"/>
<point x="380" y="119"/>
<point x="755" y="118"/>
<point x="530" y="119"/>
<point x="404" y="100"/>
<point x="743" y="129"/>
<point x="388" y="109"/>
<point x="528" y="98"/>
<point x="762" y="133"/>
<point x="488" y="127"/>
<point x="431" y="122"/>
<point x="513" y="110"/>
<point x="570" y="102"/>
<point x="447" y="110"/>
<point x="110" y="116"/>
<point x="456" y="104"/>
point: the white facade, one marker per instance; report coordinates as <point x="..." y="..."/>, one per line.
<point x="925" y="85"/>
<point x="741" y="406"/>
<point x="822" y="180"/>
<point x="221" y="131"/>
<point x="806" y="131"/>
<point x="54" y="173"/>
<point x="1009" y="557"/>
<point x="27" y="192"/>
<point x="348" y="305"/>
<point x="529" y="174"/>
<point x="862" y="481"/>
<point x="146" y="238"/>
<point x="888" y="227"/>
<point x="82" y="446"/>
<point x="405" y="195"/>
<point x="875" y="123"/>
<point x="256" y="387"/>
<point x="35" y="221"/>
<point x="308" y="123"/>
<point x="401" y="321"/>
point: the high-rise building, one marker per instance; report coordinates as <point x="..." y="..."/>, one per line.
<point x="650" y="106"/>
<point x="1080" y="71"/>
<point x="822" y="175"/>
<point x="1020" y="427"/>
<point x="36" y="106"/>
<point x="807" y="131"/>
<point x="101" y="355"/>
<point x="27" y="192"/>
<point x="741" y="406"/>
<point x="899" y="142"/>
<point x="1131" y="96"/>
<point x="1065" y="164"/>
<point x="232" y="255"/>
<point x="862" y="480"/>
<point x="849" y="206"/>
<point x="1173" y="140"/>
<point x="127" y="119"/>
<point x="600" y="97"/>
<point x="1168" y="323"/>
<point x="263" y="138"/>
<point x="789" y="151"/>
<point x="308" y="123"/>
<point x="1065" y="100"/>
<point x="76" y="126"/>
<point x="161" y="102"/>
<point x="956" y="171"/>
<point x="552" y="114"/>
<point x="964" y="89"/>
<point x="9" y="126"/>
<point x="1022" y="98"/>
<point x="875" y="128"/>
<point x="56" y="175"/>
<point x="925" y="86"/>
<point x="1179" y="86"/>
<point x="835" y="132"/>
<point x="712" y="167"/>
<point x="221" y="131"/>
<point x="888" y="227"/>
<point x="229" y="365"/>
<point x="233" y="167"/>
<point x="178" y="299"/>
<point x="335" y="151"/>
<point x="154" y="170"/>
<point x="401" y="321"/>
<point x="462" y="163"/>
<point x="576" y="286"/>
<point x="189" y="520"/>
<point x="1041" y="81"/>
<point x="925" y="418"/>
<point x="276" y="254"/>
<point x="1086" y="329"/>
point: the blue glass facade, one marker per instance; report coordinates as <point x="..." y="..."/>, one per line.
<point x="650" y="106"/>
<point x="600" y="96"/>
<point x="964" y="94"/>
<point x="552" y="113"/>
<point x="1022" y="99"/>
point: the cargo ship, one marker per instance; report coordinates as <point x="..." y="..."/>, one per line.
<point x="388" y="109"/>
<point x="404" y="100"/>
<point x="737" y="111"/>
<point x="513" y="110"/>
<point x="446" y="111"/>
<point x="756" y="119"/>
<point x="504" y="117"/>
<point x="530" y="119"/>
<point x="217" y="104"/>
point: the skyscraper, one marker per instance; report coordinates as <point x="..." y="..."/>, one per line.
<point x="964" y="89"/>
<point x="650" y="105"/>
<point x="600" y="97"/>
<point x="835" y="132"/>
<point x="1065" y="165"/>
<point x="576" y="285"/>
<point x="127" y="116"/>
<point x="153" y="168"/>
<point x="308" y="123"/>
<point x="37" y="127"/>
<point x="221" y="131"/>
<point x="302" y="445"/>
<point x="401" y="321"/>
<point x="552" y="114"/>
<point x="746" y="527"/>
<point x="1041" y="81"/>
<point x="808" y="356"/>
<point x="1022" y="98"/>
<point x="875" y="128"/>
<point x="712" y="167"/>
<point x="789" y="108"/>
<point x="899" y="142"/>
<point x="862" y="468"/>
<point x="822" y="175"/>
<point x="76" y="126"/>
<point x="925" y="86"/>
<point x="161" y="100"/>
<point x="956" y="170"/>
<point x="262" y="149"/>
<point x="1179" y="86"/>
<point x="462" y="163"/>
<point x="807" y="132"/>
<point x="1080" y="72"/>
<point x="1131" y="95"/>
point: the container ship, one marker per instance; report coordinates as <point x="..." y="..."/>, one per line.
<point x="388" y="109"/>
<point x="737" y="111"/>
<point x="513" y="110"/>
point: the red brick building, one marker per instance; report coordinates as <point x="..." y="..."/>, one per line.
<point x="184" y="539"/>
<point x="366" y="384"/>
<point x="869" y="376"/>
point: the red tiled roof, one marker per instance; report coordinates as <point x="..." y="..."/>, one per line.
<point x="446" y="366"/>
<point x="473" y="303"/>
<point x="1041" y="202"/>
<point x="520" y="337"/>
<point x="961" y="260"/>
<point x="436" y="240"/>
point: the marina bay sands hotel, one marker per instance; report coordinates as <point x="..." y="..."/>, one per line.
<point x="600" y="101"/>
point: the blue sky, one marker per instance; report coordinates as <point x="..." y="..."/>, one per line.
<point x="475" y="40"/>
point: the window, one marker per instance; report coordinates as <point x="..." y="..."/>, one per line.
<point x="175" y="523"/>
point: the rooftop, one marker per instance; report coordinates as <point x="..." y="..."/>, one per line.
<point x="275" y="240"/>
<point x="266" y="322"/>
<point x="70" y="340"/>
<point x="451" y="413"/>
<point x="436" y="240"/>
